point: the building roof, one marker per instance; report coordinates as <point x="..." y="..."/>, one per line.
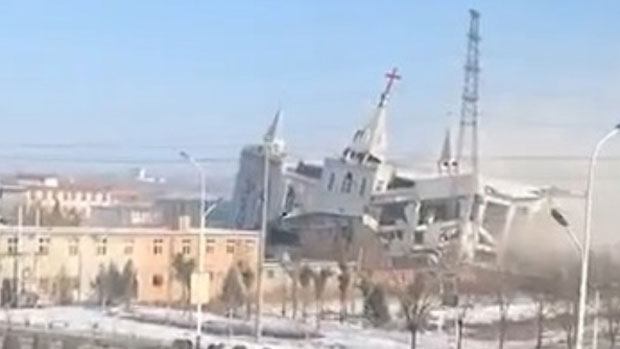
<point x="511" y="190"/>
<point x="309" y="170"/>
<point x="35" y="176"/>
<point x="69" y="230"/>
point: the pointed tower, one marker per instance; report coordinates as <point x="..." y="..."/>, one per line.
<point x="369" y="143"/>
<point x="446" y="163"/>
<point x="271" y="136"/>
<point x="249" y="183"/>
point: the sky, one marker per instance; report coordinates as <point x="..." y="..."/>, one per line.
<point x="136" y="81"/>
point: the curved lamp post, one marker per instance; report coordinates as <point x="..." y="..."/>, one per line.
<point x="201" y="242"/>
<point x="583" y="289"/>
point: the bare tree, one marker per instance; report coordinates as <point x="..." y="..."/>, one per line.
<point x="608" y="284"/>
<point x="293" y="273"/>
<point x="461" y="299"/>
<point x="6" y="293"/>
<point x="108" y="285"/>
<point x="610" y="312"/>
<point x="542" y="290"/>
<point x="100" y="285"/>
<point x="63" y="287"/>
<point x="248" y="278"/>
<point x="417" y="298"/>
<point x="183" y="270"/>
<point x="462" y="312"/>
<point x="233" y="291"/>
<point x="320" y="282"/>
<point x="504" y="288"/>
<point x="306" y="275"/>
<point x="130" y="283"/>
<point x="344" y="284"/>
<point x="565" y="303"/>
<point x="375" y="305"/>
<point x="566" y="317"/>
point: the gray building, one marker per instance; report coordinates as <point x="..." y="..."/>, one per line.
<point x="247" y="194"/>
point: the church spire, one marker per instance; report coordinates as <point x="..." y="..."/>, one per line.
<point x="271" y="136"/>
<point x="391" y="77"/>
<point x="370" y="142"/>
<point x="446" y="162"/>
<point x="271" y="133"/>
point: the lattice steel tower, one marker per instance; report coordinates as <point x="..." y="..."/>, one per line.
<point x="469" y="106"/>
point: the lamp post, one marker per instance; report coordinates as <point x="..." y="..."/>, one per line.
<point x="583" y="287"/>
<point x="561" y="220"/>
<point x="267" y="143"/>
<point x="201" y="242"/>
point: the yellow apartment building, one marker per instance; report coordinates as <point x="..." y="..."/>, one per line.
<point x="37" y="256"/>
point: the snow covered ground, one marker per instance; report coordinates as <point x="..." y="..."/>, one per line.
<point x="334" y="334"/>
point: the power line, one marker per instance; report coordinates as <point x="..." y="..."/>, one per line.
<point x="398" y="159"/>
<point x="111" y="160"/>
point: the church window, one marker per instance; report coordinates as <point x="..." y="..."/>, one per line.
<point x="347" y="183"/>
<point x="363" y="187"/>
<point x="418" y="238"/>
<point x="289" y="202"/>
<point x="332" y="180"/>
<point x="379" y="186"/>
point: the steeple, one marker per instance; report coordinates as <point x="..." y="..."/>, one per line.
<point x="370" y="142"/>
<point x="271" y="136"/>
<point x="446" y="163"/>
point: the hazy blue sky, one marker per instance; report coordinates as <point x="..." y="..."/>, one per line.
<point x="208" y="75"/>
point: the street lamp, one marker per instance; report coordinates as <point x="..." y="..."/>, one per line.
<point x="201" y="242"/>
<point x="258" y="328"/>
<point x="268" y="144"/>
<point x="562" y="221"/>
<point x="583" y="289"/>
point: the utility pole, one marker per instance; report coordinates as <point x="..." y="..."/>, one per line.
<point x="268" y="141"/>
<point x="201" y="244"/>
<point x="469" y="121"/>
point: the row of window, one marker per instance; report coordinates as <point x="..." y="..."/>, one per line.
<point x="128" y="248"/>
<point x="69" y="195"/>
<point x="418" y="236"/>
<point x="347" y="184"/>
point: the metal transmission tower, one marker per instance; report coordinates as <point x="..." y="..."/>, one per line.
<point x="469" y="106"/>
<point x="469" y="121"/>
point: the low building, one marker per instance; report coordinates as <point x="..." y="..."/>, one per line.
<point x="68" y="198"/>
<point x="139" y="214"/>
<point x="39" y="257"/>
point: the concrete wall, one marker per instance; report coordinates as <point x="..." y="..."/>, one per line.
<point x="249" y="186"/>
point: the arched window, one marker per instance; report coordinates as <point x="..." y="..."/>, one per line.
<point x="289" y="201"/>
<point x="363" y="187"/>
<point x="332" y="180"/>
<point x="347" y="183"/>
